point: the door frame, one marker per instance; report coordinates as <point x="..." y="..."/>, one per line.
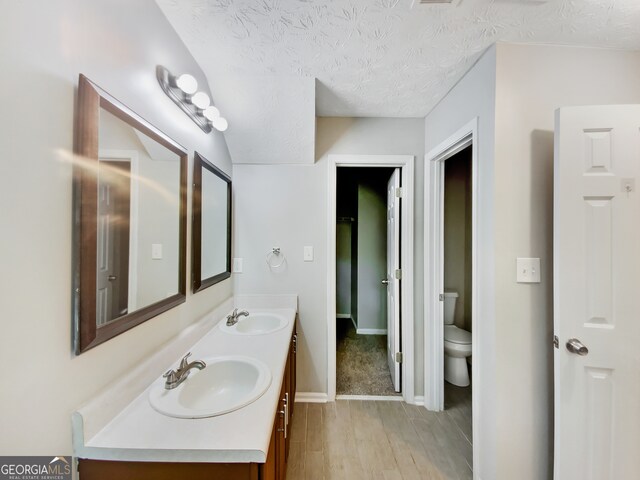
<point x="406" y="165"/>
<point x="433" y="273"/>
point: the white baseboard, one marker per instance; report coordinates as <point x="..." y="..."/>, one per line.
<point x="386" y="398"/>
<point x="371" y="331"/>
<point x="343" y="315"/>
<point x="311" y="397"/>
<point x="418" y="400"/>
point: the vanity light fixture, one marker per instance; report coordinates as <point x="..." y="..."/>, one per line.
<point x="187" y="84"/>
<point x="201" y="100"/>
<point x="183" y="90"/>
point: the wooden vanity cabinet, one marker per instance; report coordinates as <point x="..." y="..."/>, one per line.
<point x="275" y="467"/>
<point x="279" y="446"/>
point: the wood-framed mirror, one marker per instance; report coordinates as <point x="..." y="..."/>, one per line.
<point x="130" y="183"/>
<point x="211" y="231"/>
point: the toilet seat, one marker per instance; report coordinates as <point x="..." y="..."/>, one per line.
<point x="456" y="335"/>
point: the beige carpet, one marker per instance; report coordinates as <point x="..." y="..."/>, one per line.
<point x="361" y="362"/>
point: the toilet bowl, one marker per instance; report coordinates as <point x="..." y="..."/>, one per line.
<point x="457" y="345"/>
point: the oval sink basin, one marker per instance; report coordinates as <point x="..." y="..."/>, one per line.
<point x="257" y="323"/>
<point x="224" y="385"/>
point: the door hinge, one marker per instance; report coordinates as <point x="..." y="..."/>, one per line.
<point x="399" y="192"/>
<point x="398" y="357"/>
<point x="398" y="274"/>
<point x="441" y="297"/>
<point x="556" y="342"/>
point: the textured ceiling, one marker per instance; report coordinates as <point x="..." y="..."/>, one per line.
<point x="381" y="57"/>
<point x="377" y="58"/>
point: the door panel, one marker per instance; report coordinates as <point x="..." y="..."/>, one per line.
<point x="114" y="194"/>
<point x="596" y="293"/>
<point x="393" y="285"/>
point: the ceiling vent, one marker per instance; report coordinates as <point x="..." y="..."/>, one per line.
<point x="418" y="3"/>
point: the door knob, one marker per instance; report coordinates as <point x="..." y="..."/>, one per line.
<point x="112" y="278"/>
<point x="385" y="281"/>
<point x="576" y="346"/>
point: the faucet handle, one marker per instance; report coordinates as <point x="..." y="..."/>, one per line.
<point x="235" y="312"/>
<point x="170" y="375"/>
<point x="184" y="362"/>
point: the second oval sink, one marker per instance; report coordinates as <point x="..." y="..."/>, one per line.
<point x="257" y="323"/>
<point x="224" y="385"/>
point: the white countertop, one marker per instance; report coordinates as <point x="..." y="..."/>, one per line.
<point x="139" y="433"/>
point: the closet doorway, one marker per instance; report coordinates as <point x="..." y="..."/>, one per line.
<point x="370" y="276"/>
<point x="367" y="255"/>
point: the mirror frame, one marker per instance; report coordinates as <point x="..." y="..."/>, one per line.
<point x="91" y="99"/>
<point x="199" y="284"/>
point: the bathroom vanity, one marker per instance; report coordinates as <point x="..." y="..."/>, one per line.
<point x="116" y="439"/>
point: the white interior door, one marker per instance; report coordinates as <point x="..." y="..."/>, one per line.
<point x="597" y="293"/>
<point x="393" y="285"/>
<point x="105" y="276"/>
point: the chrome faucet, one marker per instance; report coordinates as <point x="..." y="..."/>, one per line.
<point x="233" y="318"/>
<point x="176" y="377"/>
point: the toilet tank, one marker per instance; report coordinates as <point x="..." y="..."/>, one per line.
<point x="450" y="307"/>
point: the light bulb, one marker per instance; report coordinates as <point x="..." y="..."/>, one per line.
<point x="201" y="100"/>
<point x="187" y="84"/>
<point x="220" y="124"/>
<point x="211" y="113"/>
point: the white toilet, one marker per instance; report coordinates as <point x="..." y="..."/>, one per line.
<point x="457" y="345"/>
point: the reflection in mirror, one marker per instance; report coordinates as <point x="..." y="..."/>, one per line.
<point x="130" y="184"/>
<point x="138" y="220"/>
<point x="211" y="224"/>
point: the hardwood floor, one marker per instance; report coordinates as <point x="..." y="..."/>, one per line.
<point x="355" y="439"/>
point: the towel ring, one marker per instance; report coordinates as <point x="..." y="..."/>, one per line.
<point x="275" y="252"/>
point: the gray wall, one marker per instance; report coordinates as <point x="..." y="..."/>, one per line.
<point x="362" y="196"/>
<point x="45" y="45"/>
<point x="344" y="267"/>
<point x="289" y="208"/>
<point x="372" y="256"/>
<point x="457" y="233"/>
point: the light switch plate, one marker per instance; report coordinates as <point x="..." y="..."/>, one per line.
<point x="237" y="265"/>
<point x="528" y="270"/>
<point x="308" y="254"/>
<point x="156" y="251"/>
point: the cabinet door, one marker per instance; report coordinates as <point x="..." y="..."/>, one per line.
<point x="293" y="351"/>
<point x="281" y="433"/>
<point x="287" y="401"/>
<point x="268" y="470"/>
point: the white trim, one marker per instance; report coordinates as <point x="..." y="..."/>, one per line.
<point x="311" y="397"/>
<point x="375" y="398"/>
<point x="371" y="331"/>
<point x="419" y="400"/>
<point x="433" y="331"/>
<point x="343" y="315"/>
<point x="406" y="163"/>
<point x="130" y="156"/>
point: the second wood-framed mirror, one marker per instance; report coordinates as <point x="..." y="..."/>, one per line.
<point x="211" y="231"/>
<point x="130" y="182"/>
